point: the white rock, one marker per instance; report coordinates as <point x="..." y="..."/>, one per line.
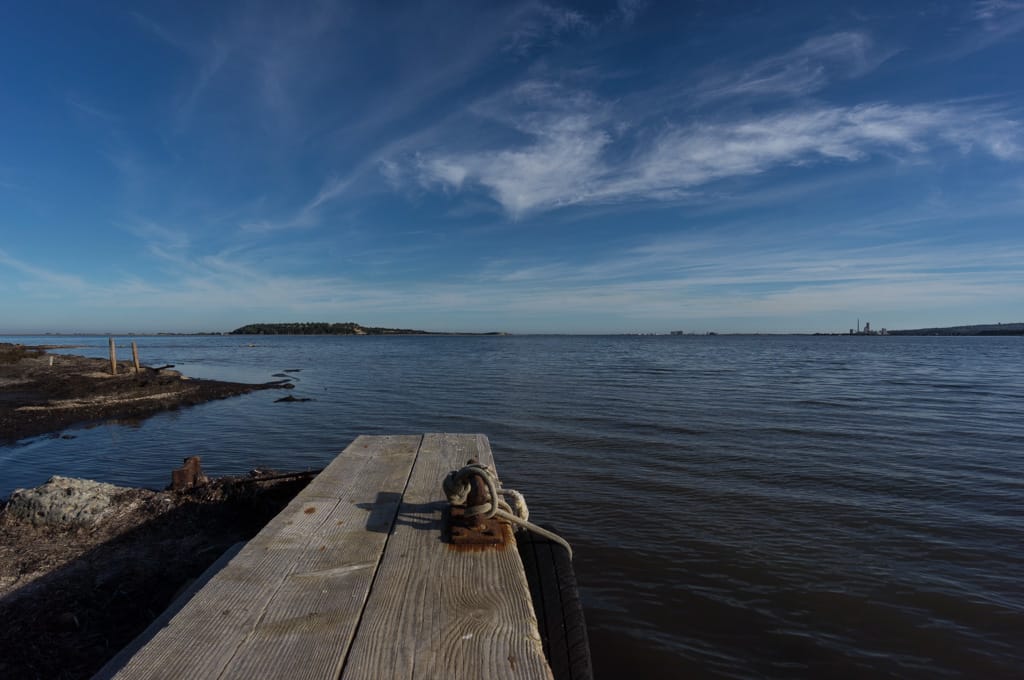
<point x="64" y="500"/>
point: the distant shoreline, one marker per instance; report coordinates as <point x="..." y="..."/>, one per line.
<point x="349" y="329"/>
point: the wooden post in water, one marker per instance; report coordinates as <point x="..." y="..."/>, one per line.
<point x="135" y="356"/>
<point x="113" y="357"/>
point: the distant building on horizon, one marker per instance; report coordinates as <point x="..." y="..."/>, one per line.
<point x="867" y="330"/>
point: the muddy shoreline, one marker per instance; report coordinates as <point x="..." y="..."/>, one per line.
<point x="44" y="393"/>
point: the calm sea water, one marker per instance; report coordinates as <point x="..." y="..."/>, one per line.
<point x="739" y="506"/>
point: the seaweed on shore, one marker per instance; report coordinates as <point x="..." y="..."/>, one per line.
<point x="12" y="354"/>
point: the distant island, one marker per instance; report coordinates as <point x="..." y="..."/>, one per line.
<point x="324" y="328"/>
<point x="978" y="329"/>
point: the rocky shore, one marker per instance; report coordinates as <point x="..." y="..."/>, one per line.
<point x="42" y="393"/>
<point x="85" y="566"/>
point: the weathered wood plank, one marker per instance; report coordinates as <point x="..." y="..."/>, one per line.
<point x="310" y="620"/>
<point x="203" y="640"/>
<point x="438" y="613"/>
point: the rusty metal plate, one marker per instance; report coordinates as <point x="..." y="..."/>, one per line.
<point x="460" y="531"/>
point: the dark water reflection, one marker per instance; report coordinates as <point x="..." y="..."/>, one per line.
<point x="739" y="506"/>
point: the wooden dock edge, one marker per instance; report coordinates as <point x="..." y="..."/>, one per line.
<point x="118" y="662"/>
<point x="330" y="587"/>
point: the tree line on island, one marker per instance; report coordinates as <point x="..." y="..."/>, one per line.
<point x="324" y="328"/>
<point x="321" y="328"/>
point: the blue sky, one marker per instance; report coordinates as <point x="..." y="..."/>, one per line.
<point x="528" y="167"/>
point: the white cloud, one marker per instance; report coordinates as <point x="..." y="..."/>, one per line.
<point x="567" y="158"/>
<point x="695" y="155"/>
<point x="445" y="171"/>
<point x="561" y="168"/>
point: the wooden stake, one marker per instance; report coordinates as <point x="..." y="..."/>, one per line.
<point x="135" y="356"/>
<point x="113" y="358"/>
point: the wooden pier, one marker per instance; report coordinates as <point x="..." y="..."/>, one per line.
<point x="353" y="580"/>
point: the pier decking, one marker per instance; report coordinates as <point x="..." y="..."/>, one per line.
<point x="352" y="580"/>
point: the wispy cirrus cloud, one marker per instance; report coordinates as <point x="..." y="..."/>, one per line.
<point x="801" y="71"/>
<point x="569" y="157"/>
<point x="270" y="65"/>
<point x="999" y="20"/>
<point x="159" y="240"/>
<point x="90" y="109"/>
<point x="725" y="275"/>
<point x="630" y="9"/>
<point x="537" y="22"/>
<point x="187" y="281"/>
<point x="270" y="52"/>
<point x="696" y="154"/>
<point x="985" y="23"/>
<point x="562" y="165"/>
<point x="209" y="58"/>
<point x="34" y="275"/>
<point x="752" y="274"/>
<point x="992" y="12"/>
<point x="307" y="215"/>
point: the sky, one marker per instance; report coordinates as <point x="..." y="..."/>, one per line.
<point x="533" y="167"/>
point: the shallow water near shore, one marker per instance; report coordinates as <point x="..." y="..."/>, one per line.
<point x="767" y="506"/>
